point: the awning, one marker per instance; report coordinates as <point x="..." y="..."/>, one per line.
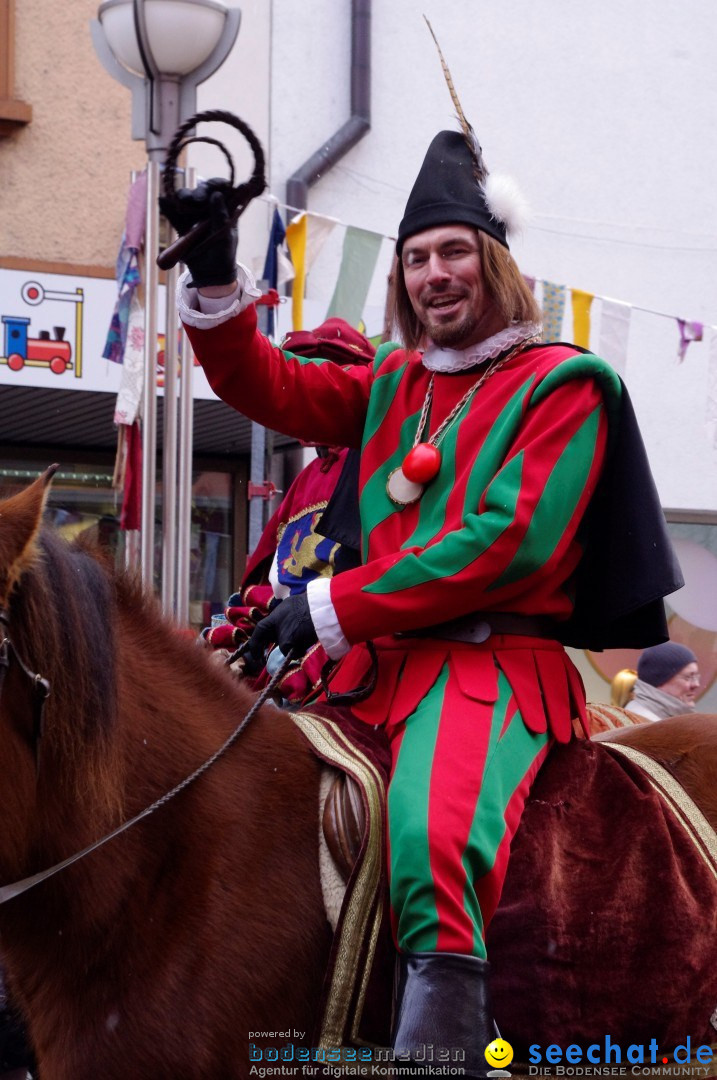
<point x="38" y="416"/>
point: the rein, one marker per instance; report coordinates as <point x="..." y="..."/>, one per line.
<point x="9" y="892"/>
<point x="40" y="685"/>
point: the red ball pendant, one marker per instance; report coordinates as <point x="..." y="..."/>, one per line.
<point x="422" y="463"/>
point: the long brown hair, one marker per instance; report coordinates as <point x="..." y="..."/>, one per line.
<point x="504" y="282"/>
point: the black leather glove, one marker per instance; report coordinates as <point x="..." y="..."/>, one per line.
<point x="213" y="260"/>
<point x="289" y="626"/>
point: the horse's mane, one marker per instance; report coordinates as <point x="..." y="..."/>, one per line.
<point x="61" y="621"/>
<point x="75" y="619"/>
<point x="62" y="618"/>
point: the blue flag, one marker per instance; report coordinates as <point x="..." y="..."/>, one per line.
<point x="271" y="263"/>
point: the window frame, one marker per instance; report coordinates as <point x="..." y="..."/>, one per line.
<point x="14" y="113"/>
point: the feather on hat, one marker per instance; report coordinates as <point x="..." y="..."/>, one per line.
<point x="454" y="186"/>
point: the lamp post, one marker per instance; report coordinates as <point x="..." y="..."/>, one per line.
<point x="162" y="50"/>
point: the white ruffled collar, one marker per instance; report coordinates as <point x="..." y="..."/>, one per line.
<point x="438" y="359"/>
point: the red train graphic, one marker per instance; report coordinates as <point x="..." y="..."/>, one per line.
<point x="43" y="351"/>
<point x="20" y="350"/>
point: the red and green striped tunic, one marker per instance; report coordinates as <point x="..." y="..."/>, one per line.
<point x="497" y="530"/>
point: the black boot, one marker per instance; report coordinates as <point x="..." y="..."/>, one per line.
<point x="444" y="1005"/>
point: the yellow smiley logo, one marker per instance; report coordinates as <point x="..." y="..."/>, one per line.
<point x="499" y="1053"/>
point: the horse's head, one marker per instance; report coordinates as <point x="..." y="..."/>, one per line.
<point x="56" y="605"/>
<point x="20" y="520"/>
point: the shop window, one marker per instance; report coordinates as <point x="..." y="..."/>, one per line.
<point x="13" y="113"/>
<point x="82" y="500"/>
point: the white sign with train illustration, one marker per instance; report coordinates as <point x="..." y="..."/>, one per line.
<point x="54" y="328"/>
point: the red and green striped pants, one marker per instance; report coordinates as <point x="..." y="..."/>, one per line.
<point x="461" y="773"/>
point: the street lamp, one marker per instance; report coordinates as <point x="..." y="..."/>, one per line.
<point x="162" y="50"/>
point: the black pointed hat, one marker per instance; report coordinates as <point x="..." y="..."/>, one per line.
<point x="447" y="192"/>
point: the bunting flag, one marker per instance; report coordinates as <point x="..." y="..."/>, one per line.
<point x="270" y="274"/>
<point x="318" y="230"/>
<point x="358" y="262"/>
<point x="357" y="265"/>
<point x="306" y="234"/>
<point x="614" y="333"/>
<point x="553" y="311"/>
<point x="582" y="301"/>
<point x="689" y="331"/>
<point x="296" y="239"/>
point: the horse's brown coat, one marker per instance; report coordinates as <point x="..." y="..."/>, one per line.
<point x="155" y="956"/>
<point x="608" y="920"/>
<point x="158" y="954"/>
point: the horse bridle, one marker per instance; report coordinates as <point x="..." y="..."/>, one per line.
<point x="41" y="690"/>
<point x="40" y="686"/>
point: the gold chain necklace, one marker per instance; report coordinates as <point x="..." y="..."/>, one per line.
<point x="406" y="484"/>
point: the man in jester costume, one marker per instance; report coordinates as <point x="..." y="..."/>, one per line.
<point x="499" y="475"/>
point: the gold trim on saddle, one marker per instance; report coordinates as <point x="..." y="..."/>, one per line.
<point x="685" y="810"/>
<point x="363" y="914"/>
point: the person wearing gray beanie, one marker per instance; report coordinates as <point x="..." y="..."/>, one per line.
<point x="667" y="683"/>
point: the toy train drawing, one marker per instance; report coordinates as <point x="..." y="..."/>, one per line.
<point x="22" y="351"/>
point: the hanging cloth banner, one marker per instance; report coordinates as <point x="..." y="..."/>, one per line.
<point x="277" y="236"/>
<point x="689" y="331"/>
<point x="129" y="395"/>
<point x="270" y="273"/>
<point x="296" y="239"/>
<point x="358" y="262"/>
<point x="127" y="269"/>
<point x="553" y="311"/>
<point x="614" y="333"/>
<point x="711" y="414"/>
<point x="128" y="475"/>
<point x="582" y="302"/>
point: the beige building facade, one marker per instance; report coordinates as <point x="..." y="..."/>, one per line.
<point x="66" y="161"/>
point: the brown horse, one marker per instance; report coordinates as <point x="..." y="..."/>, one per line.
<point x="608" y="919"/>
<point x="157" y="955"/>
<point x="164" y="953"/>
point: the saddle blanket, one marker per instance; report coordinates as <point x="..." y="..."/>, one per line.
<point x="359" y="980"/>
<point x="608" y="918"/>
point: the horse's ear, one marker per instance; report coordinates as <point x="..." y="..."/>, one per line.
<point x="20" y="520"/>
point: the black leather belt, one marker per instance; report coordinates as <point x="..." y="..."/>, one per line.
<point x="478" y="626"/>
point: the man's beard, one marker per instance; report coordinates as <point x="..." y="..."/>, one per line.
<point x="452" y="335"/>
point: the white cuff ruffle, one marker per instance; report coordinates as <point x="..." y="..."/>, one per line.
<point x="204" y="312"/>
<point x="325" y="619"/>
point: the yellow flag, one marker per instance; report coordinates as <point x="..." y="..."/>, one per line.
<point x="296" y="239"/>
<point x="581" y="317"/>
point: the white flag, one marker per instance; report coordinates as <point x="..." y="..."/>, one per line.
<point x="614" y="333"/>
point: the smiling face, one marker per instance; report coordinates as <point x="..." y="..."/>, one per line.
<point x="499" y="1053"/>
<point x="684" y="685"/>
<point x="444" y="281"/>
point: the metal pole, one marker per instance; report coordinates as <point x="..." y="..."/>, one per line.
<point x="169" y="450"/>
<point x="186" y="431"/>
<point x="184" y="529"/>
<point x="149" y="394"/>
<point x="257" y="464"/>
<point x="257" y="475"/>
